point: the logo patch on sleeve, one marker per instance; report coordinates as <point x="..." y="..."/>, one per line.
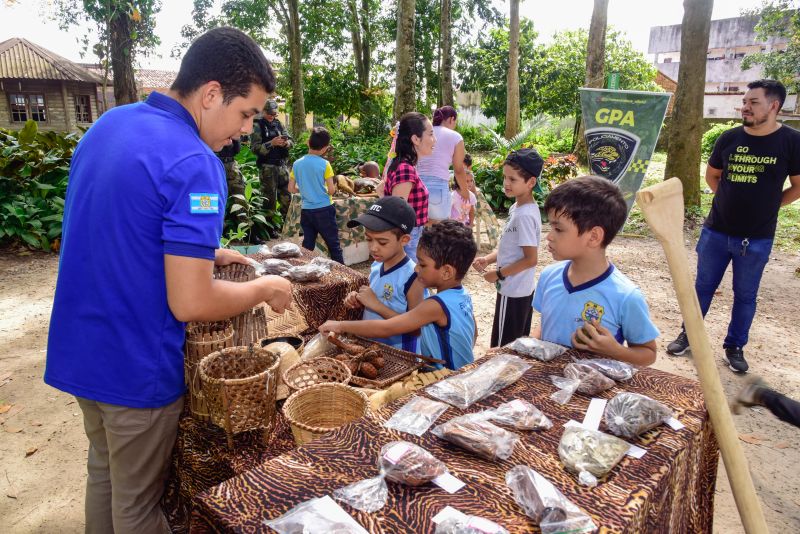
<point x="204" y="202"/>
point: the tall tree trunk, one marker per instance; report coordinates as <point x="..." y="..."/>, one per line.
<point x="298" y="118"/>
<point x="686" y="130"/>
<point x="405" y="79"/>
<point x="358" y="44"/>
<point x="595" y="64"/>
<point x="445" y="56"/>
<point x="512" y="81"/>
<point x="122" y="60"/>
<point x="366" y="39"/>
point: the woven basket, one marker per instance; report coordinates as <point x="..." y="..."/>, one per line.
<point x="319" y="409"/>
<point x="398" y="363"/>
<point x="201" y="340"/>
<point x="317" y="371"/>
<point x="235" y="272"/>
<point x="249" y="327"/>
<point x="240" y="385"/>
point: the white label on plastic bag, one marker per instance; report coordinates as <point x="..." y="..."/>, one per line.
<point x="448" y="512"/>
<point x="636" y="452"/>
<point x="396" y="452"/>
<point x="335" y="512"/>
<point x="448" y="482"/>
<point x="674" y="424"/>
<point x="594" y="414"/>
<point x="483" y="525"/>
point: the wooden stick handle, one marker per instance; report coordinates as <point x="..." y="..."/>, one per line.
<point x="662" y="205"/>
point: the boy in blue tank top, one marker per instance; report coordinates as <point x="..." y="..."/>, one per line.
<point x="585" y="301"/>
<point x="391" y="290"/>
<point x="444" y="254"/>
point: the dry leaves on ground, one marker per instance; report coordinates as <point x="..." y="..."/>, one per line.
<point x="753" y="439"/>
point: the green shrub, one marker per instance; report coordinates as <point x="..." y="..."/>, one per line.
<point x="557" y="170"/>
<point x="475" y="138"/>
<point x="350" y="149"/>
<point x="34" y="168"/>
<point x="711" y="136"/>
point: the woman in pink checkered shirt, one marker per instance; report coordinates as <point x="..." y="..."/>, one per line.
<point x="414" y="139"/>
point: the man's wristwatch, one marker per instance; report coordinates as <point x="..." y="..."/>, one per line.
<point x="499" y="274"/>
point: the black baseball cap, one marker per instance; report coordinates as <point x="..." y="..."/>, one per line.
<point x="385" y="214"/>
<point x="528" y="159"/>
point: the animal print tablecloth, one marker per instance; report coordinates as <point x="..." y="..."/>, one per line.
<point x="669" y="489"/>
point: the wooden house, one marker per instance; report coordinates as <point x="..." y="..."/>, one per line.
<point x="37" y="84"/>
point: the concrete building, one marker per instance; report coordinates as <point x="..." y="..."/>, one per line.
<point x="730" y="40"/>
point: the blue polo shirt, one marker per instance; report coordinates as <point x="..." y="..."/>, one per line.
<point x="142" y="184"/>
<point x="310" y="173"/>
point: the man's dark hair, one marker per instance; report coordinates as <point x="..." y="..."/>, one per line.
<point x="590" y="201"/>
<point x="319" y="138"/>
<point x="449" y="243"/>
<point x="773" y="90"/>
<point x="227" y="56"/>
<point x="468" y="160"/>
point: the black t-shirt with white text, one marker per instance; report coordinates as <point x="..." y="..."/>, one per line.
<point x="754" y="169"/>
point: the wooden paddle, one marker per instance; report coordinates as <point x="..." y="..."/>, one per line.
<point x="662" y="205"/>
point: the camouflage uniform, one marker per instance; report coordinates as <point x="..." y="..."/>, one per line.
<point x="232" y="173"/>
<point x="272" y="163"/>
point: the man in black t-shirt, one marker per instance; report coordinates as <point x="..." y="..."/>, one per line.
<point x="747" y="171"/>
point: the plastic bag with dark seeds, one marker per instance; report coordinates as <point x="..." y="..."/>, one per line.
<point x="285" y="250"/>
<point x="306" y="273"/>
<point x="274" y="266"/>
<point x="631" y="414"/>
<point x="614" y="369"/>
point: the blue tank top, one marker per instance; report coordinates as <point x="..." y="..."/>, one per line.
<point x="452" y="343"/>
<point x="391" y="287"/>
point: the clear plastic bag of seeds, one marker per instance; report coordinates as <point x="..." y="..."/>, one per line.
<point x="310" y="272"/>
<point x="468" y="524"/>
<point x="286" y="250"/>
<point x="416" y="416"/>
<point x="544" y="504"/>
<point x="399" y="461"/>
<point x="274" y="266"/>
<point x="614" y="369"/>
<point x="537" y="348"/>
<point x="474" y="433"/>
<point x="582" y="378"/>
<point x="315" y="516"/>
<point x="630" y="414"/>
<point x="520" y="414"/>
<point x="590" y="454"/>
<point x="464" y="389"/>
<point x="317" y="346"/>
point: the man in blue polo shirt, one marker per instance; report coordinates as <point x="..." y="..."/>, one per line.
<point x="142" y="224"/>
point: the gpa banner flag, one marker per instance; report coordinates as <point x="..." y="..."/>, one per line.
<point x="622" y="129"/>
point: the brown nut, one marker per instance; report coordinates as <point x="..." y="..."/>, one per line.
<point x="378" y="362"/>
<point x="368" y="371"/>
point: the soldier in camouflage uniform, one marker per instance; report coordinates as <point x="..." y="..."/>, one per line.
<point x="270" y="143"/>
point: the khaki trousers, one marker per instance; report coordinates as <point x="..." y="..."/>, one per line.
<point x="129" y="455"/>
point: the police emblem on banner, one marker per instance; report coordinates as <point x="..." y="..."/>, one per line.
<point x="611" y="151"/>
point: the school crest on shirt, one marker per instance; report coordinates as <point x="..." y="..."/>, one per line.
<point x="388" y="291"/>
<point x="592" y="312"/>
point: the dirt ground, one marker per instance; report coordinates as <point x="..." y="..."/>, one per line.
<point x="43" y="447"/>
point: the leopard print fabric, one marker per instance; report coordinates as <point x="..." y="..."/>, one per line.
<point x="670" y="489"/>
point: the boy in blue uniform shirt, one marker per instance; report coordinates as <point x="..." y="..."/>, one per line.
<point x="141" y="238"/>
<point x="312" y="177"/>
<point x="585" y="301"/>
<point x="444" y="254"/>
<point x="391" y="291"/>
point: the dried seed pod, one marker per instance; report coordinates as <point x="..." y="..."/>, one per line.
<point x="368" y="371"/>
<point x="378" y="362"/>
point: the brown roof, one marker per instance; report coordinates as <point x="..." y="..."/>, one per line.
<point x="145" y="78"/>
<point x="20" y="58"/>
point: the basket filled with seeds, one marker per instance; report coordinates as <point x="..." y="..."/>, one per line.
<point x="373" y="365"/>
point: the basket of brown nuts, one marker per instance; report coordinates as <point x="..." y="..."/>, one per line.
<point x="317" y="371"/>
<point x="373" y="365"/>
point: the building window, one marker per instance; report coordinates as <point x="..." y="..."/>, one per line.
<point x="667" y="60"/>
<point x="24" y="107"/>
<point x="83" y="108"/>
<point x="19" y="111"/>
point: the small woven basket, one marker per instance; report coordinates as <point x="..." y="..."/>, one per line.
<point x="317" y="371"/>
<point x="235" y="272"/>
<point x="201" y="340"/>
<point x="240" y="386"/>
<point x="319" y="409"/>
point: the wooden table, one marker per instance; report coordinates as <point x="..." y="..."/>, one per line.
<point x="669" y="489"/>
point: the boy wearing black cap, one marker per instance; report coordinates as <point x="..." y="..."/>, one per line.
<point x="517" y="253"/>
<point x="391" y="291"/>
